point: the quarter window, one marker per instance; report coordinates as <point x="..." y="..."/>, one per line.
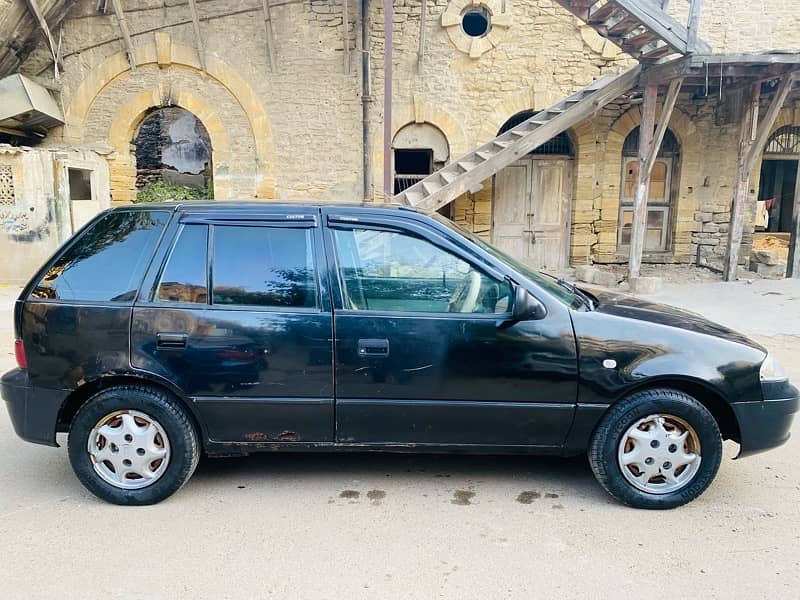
<point x="107" y="262"/>
<point x="185" y="278"/>
<point x="264" y="266"/>
<point x="388" y="271"/>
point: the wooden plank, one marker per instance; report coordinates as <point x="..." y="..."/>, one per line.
<point x="126" y="34"/>
<point x="741" y="183"/>
<point x="198" y="37"/>
<point x="652" y="16"/>
<point x="639" y="224"/>
<point x="612" y="90"/>
<point x="692" y="25"/>
<point x="663" y="122"/>
<point x="33" y="6"/>
<point x="270" y="39"/>
<point x="793" y="267"/>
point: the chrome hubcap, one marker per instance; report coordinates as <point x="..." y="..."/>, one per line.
<point x="659" y="454"/>
<point x="129" y="449"/>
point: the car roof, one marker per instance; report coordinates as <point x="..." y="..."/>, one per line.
<point x="259" y="206"/>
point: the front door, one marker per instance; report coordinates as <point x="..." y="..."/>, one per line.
<point x="239" y="320"/>
<point x="531" y="211"/>
<point x="420" y="358"/>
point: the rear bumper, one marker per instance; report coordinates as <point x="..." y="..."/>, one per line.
<point x="33" y="411"/>
<point x="766" y="424"/>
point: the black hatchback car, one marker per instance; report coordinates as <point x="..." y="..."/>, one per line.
<point x="160" y="331"/>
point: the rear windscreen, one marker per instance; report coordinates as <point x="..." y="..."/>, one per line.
<point x="107" y="262"/>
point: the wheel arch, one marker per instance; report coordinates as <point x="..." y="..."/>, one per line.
<point x="83" y="393"/>
<point x="703" y="392"/>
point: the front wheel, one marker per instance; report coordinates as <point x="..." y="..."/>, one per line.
<point x="656" y="449"/>
<point x="133" y="445"/>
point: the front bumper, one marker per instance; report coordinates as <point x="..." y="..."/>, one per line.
<point x="33" y="411"/>
<point x="766" y="424"/>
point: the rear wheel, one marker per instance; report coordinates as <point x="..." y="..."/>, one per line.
<point x="133" y="445"/>
<point x="656" y="449"/>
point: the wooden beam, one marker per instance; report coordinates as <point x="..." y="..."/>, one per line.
<point x="741" y="183"/>
<point x="793" y="266"/>
<point x="765" y="127"/>
<point x="126" y="34"/>
<point x="33" y="6"/>
<point x="201" y="51"/>
<point x="346" y="36"/>
<point x="270" y="39"/>
<point x="663" y="123"/>
<point x="653" y="18"/>
<point x="423" y="25"/>
<point x="692" y="25"/>
<point x="639" y="223"/>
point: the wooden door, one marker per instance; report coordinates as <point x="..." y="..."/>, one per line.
<point x="531" y="211"/>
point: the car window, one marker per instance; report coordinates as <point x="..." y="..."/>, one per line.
<point x="107" y="262"/>
<point x="185" y="277"/>
<point x="390" y="271"/>
<point x="264" y="266"/>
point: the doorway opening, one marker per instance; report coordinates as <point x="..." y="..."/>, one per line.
<point x="419" y="150"/>
<point x="173" y="156"/>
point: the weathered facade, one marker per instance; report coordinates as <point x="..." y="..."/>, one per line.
<point x="279" y="88"/>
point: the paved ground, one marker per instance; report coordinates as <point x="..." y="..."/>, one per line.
<point x="382" y="526"/>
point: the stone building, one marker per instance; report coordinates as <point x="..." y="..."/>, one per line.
<point x="282" y="99"/>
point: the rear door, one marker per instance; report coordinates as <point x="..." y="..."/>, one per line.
<point x="238" y="317"/>
<point x="420" y="358"/>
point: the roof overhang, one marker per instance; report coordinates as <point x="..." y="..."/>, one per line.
<point x="26" y="106"/>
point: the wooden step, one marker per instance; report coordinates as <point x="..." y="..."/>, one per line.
<point x="639" y="41"/>
<point x="484" y="154"/>
<point x="604" y="13"/>
<point x="658" y="52"/>
<point x="448" y="176"/>
<point x="624" y="27"/>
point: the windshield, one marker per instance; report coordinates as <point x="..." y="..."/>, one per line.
<point x="548" y="282"/>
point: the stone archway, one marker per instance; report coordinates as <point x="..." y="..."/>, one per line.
<point x="167" y="55"/>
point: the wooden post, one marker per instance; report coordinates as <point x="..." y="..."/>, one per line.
<point x="752" y="138"/>
<point x="346" y="36"/>
<point x="126" y="34"/>
<point x="423" y="24"/>
<point x="33" y="6"/>
<point x="388" y="15"/>
<point x="692" y="25"/>
<point x="197" y="35"/>
<point x="741" y="183"/>
<point x="271" y="59"/>
<point x="639" y="224"/>
<point x="793" y="268"/>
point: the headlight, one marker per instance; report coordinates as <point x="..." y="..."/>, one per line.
<point x="771" y="370"/>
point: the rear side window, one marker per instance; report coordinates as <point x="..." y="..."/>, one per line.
<point x="263" y="266"/>
<point x="107" y="263"/>
<point x="185" y="278"/>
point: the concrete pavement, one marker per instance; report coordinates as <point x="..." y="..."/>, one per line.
<point x="395" y="526"/>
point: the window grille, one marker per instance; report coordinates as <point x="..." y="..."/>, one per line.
<point x="7" y="193"/>
<point x="785" y="140"/>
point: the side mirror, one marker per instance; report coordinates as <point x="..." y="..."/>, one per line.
<point x="526" y="307"/>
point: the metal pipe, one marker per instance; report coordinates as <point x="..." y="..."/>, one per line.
<point x="388" y="14"/>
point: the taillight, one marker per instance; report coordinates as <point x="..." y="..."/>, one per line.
<point x="19" y="353"/>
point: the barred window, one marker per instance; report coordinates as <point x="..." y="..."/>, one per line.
<point x="785" y="140"/>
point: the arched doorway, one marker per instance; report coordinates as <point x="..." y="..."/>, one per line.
<point x="660" y="201"/>
<point x="778" y="184"/>
<point x="532" y="199"/>
<point x="173" y="156"/>
<point x="419" y="150"/>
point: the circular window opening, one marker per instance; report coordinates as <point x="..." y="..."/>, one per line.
<point x="476" y="22"/>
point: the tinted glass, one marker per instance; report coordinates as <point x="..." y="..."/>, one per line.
<point x="264" y="266"/>
<point x="185" y="277"/>
<point x="388" y="271"/>
<point x="107" y="262"/>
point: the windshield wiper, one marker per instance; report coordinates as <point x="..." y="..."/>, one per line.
<point x="577" y="292"/>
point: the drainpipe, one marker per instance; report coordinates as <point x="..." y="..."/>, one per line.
<point x="365" y="98"/>
<point x="388" y="15"/>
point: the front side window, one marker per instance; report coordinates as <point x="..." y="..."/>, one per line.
<point x="185" y="277"/>
<point x="108" y="261"/>
<point x="390" y="271"/>
<point x="264" y="266"/>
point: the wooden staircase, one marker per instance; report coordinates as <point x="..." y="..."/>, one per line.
<point x="467" y="173"/>
<point x="641" y="28"/>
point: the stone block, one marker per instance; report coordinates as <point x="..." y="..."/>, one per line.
<point x="590" y="274"/>
<point x="771" y="271"/>
<point x="766" y="257"/>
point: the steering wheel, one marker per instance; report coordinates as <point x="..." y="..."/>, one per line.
<point x="465" y="296"/>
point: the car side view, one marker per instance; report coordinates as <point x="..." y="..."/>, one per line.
<point x="162" y="331"/>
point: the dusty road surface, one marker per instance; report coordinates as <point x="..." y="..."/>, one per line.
<point x="394" y="526"/>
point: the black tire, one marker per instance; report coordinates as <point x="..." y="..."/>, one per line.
<point x="164" y="408"/>
<point x="621" y="416"/>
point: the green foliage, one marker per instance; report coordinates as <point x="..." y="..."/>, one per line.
<point x="161" y="191"/>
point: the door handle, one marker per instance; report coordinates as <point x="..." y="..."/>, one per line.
<point x="171" y="341"/>
<point x="375" y="348"/>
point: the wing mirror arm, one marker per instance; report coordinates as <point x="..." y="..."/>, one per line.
<point x="526" y="307"/>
